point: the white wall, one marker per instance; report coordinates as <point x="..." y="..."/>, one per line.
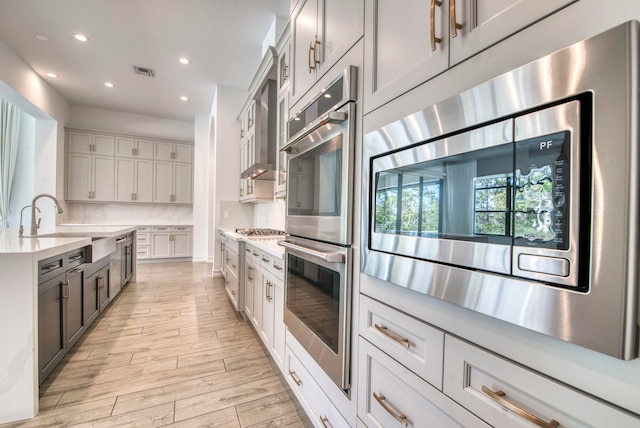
<point x="226" y="158"/>
<point x="23" y="87"/>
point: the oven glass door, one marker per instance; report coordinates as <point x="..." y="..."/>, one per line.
<point x="318" y="182"/>
<point x="317" y="302"/>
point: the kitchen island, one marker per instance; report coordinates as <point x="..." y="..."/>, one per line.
<point x="19" y="274"/>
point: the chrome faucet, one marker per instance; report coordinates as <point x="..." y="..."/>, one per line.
<point x="21" y="230"/>
<point x="35" y="224"/>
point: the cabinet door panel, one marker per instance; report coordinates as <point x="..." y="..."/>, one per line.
<point x="79" y="142"/>
<point x="78" y="177"/>
<point x="104" y="144"/>
<point x="125" y="146"/>
<point x="303" y="32"/>
<point x="104" y="290"/>
<point x="75" y="306"/>
<point x="163" y="181"/>
<point x="183" y="183"/>
<point x="342" y="26"/>
<point x="181" y="244"/>
<point x="268" y="310"/>
<point x="162" y="150"/>
<point x="144" y="181"/>
<point x="183" y="152"/>
<point x="91" y="307"/>
<point x="278" y="324"/>
<point x="398" y="53"/>
<point x="103" y="178"/>
<point x="160" y="245"/>
<point x="486" y="22"/>
<point x="125" y="168"/>
<point x="50" y="325"/>
<point x="144" y="149"/>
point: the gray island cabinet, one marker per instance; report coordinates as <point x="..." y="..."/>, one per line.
<point x="36" y="325"/>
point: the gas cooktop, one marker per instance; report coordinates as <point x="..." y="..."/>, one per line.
<point x="258" y="232"/>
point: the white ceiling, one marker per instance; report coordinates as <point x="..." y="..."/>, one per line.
<point x="222" y="38"/>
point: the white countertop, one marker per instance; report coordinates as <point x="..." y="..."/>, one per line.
<point x="269" y="245"/>
<point x="51" y="243"/>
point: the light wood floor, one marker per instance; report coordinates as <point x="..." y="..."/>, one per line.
<point x="169" y="351"/>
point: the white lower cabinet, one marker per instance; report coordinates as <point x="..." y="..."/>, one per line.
<point x="314" y="401"/>
<point x="164" y="242"/>
<point x="414" y="343"/>
<point x="505" y="394"/>
<point x="390" y="395"/>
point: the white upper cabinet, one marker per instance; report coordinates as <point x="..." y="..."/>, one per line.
<point x="134" y="180"/>
<point x="166" y="150"/>
<point x="322" y="32"/>
<point x="408" y="45"/>
<point x="131" y="146"/>
<point x="90" y="170"/>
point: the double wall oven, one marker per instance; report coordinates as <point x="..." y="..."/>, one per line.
<point x="318" y="222"/>
<point x="519" y="198"/>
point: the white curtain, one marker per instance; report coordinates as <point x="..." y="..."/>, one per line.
<point x="9" y="134"/>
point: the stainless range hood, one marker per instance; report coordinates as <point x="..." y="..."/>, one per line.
<point x="265" y="150"/>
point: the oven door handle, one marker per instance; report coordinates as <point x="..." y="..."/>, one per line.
<point x="327" y="257"/>
<point x="330" y="117"/>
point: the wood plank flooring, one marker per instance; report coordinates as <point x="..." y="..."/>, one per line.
<point x="169" y="351"/>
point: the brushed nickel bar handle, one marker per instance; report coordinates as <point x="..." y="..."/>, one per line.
<point x="327" y="257"/>
<point x="400" y="418"/>
<point x="452" y="19"/>
<point x="401" y="340"/>
<point x="266" y="260"/>
<point x="324" y="420"/>
<point x="316" y="45"/>
<point x="497" y="396"/>
<point x="76" y="270"/>
<point x="74" y="258"/>
<point x="278" y="267"/>
<point x="51" y="267"/>
<point x="101" y="282"/>
<point x="311" y="67"/>
<point x="432" y="23"/>
<point x="295" y="378"/>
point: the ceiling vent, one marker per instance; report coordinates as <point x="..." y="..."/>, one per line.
<point x="143" y="71"/>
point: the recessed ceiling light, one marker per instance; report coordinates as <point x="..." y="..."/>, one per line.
<point x="183" y="98"/>
<point x="109" y="84"/>
<point x="54" y="75"/>
<point x="81" y="37"/>
<point x="184" y="61"/>
<point x="42" y="37"/>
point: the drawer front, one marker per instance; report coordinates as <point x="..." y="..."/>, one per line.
<point x="231" y="284"/>
<point x="143" y="238"/>
<point x="50" y="267"/>
<point x="273" y="264"/>
<point x="143" y="252"/>
<point x="231" y="262"/>
<point x="500" y="392"/>
<point x="75" y="258"/>
<point x="323" y="411"/>
<point x="415" y="344"/>
<point x="144" y="229"/>
<point x="254" y="254"/>
<point x="181" y="229"/>
<point x="161" y="228"/>
<point x="390" y="395"/>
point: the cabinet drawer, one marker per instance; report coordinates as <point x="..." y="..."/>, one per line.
<point x="75" y="258"/>
<point x="273" y="264"/>
<point x="180" y="228"/>
<point x="253" y="254"/>
<point x="50" y="267"/>
<point x="413" y="343"/>
<point x="160" y="228"/>
<point x="144" y="229"/>
<point x="143" y="238"/>
<point x="231" y="262"/>
<point x="500" y="392"/>
<point x="390" y="395"/>
<point x="143" y="252"/>
<point x="308" y="391"/>
<point x="231" y="284"/>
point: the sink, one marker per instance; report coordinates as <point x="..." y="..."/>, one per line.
<point x="100" y="246"/>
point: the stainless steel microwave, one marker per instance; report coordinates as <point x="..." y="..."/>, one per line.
<point x="519" y="198"/>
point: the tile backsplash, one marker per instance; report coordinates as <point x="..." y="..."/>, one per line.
<point x="128" y="214"/>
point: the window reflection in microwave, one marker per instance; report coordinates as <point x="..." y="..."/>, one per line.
<point x="313" y="295"/>
<point x="466" y="196"/>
